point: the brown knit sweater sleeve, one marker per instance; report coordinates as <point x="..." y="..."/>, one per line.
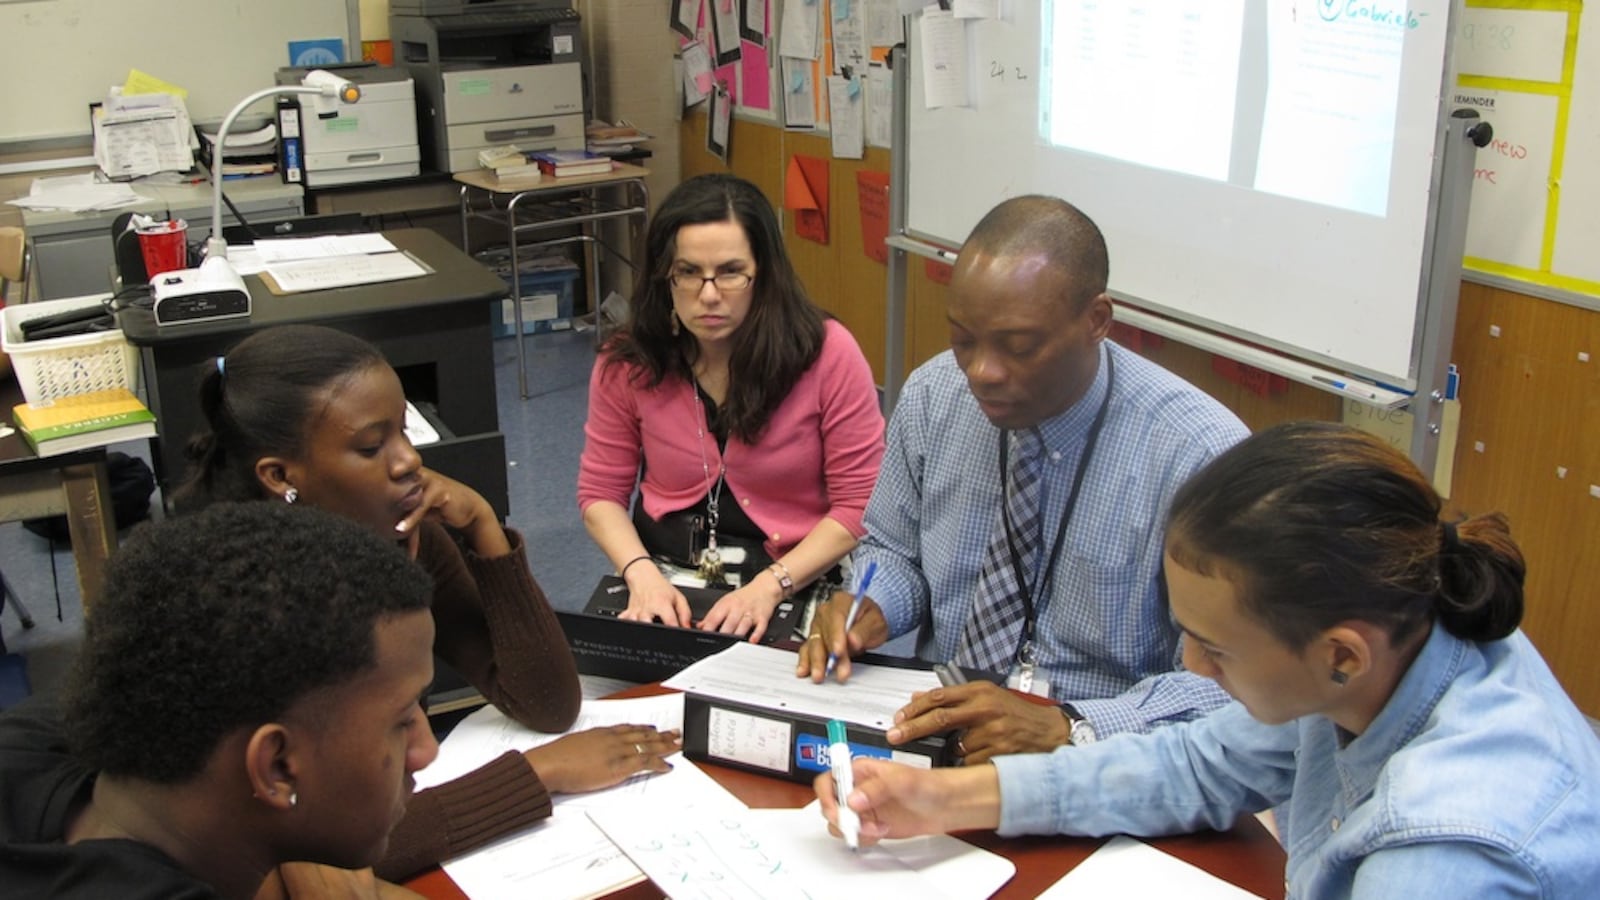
<point x="461" y="815"/>
<point x="495" y="626"/>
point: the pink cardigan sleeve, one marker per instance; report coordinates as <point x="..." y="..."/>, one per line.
<point x="852" y="428"/>
<point x="609" y="467"/>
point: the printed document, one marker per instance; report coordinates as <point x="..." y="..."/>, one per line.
<point x="566" y="857"/>
<point x="764" y="677"/>
<point x="779" y="854"/>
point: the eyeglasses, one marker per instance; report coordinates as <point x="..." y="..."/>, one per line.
<point x="726" y="282"/>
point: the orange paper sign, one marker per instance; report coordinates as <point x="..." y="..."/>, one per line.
<point x="872" y="189"/>
<point x="805" y="192"/>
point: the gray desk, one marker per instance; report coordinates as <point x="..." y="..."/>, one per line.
<point x="433" y="330"/>
<point x="72" y="251"/>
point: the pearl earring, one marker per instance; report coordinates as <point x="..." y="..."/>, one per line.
<point x="291" y="495"/>
<point x="294" y="799"/>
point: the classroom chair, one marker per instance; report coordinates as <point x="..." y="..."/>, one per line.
<point x="13" y="262"/>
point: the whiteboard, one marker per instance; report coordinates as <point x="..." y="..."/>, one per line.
<point x="1338" y="285"/>
<point x="1533" y="72"/>
<point x="61" y="55"/>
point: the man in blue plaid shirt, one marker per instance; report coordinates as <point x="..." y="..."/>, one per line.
<point x="1046" y="570"/>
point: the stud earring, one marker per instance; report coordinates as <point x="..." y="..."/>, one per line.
<point x="291" y="495"/>
<point x="294" y="799"/>
<point x="1340" y="678"/>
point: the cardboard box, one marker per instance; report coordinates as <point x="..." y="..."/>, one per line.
<point x="547" y="301"/>
<point x="789" y="745"/>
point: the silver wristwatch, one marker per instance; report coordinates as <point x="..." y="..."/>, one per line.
<point x="1079" y="731"/>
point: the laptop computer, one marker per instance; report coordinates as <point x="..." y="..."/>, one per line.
<point x="610" y="647"/>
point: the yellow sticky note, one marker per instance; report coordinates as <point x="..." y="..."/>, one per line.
<point x="144" y="83"/>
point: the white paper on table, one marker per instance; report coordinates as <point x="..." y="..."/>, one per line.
<point x="272" y="250"/>
<point x="567" y="857"/>
<point x="76" y="193"/>
<point x="1124" y="867"/>
<point x="419" y="431"/>
<point x="788" y="853"/>
<point x="764" y="677"/>
<point x="801" y="34"/>
<point x="245" y="260"/>
<point x="845" y="116"/>
<point x="344" y="271"/>
<point x="944" y="59"/>
<point x="488" y="732"/>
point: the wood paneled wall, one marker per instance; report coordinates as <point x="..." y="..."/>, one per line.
<point x="1530" y="424"/>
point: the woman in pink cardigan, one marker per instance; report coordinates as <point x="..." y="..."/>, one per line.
<point x="742" y="415"/>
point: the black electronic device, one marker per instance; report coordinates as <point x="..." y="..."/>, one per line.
<point x="610" y="598"/>
<point x="83" y="320"/>
<point x="610" y="647"/>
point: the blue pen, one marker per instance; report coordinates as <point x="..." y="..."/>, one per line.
<point x="855" y="607"/>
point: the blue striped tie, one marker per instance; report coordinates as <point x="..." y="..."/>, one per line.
<point x="994" y="632"/>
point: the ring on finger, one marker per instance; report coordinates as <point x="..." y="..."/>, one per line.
<point x="639" y="749"/>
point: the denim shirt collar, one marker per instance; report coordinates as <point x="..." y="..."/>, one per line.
<point x="1066" y="431"/>
<point x="1403" y="717"/>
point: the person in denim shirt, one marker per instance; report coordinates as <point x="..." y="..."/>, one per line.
<point x="1410" y="737"/>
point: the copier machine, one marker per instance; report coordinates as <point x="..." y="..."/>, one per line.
<point x="491" y="72"/>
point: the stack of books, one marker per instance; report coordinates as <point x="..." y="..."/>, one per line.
<point x="567" y="163"/>
<point x="80" y="421"/>
<point x="508" y="161"/>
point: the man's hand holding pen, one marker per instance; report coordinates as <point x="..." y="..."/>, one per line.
<point x="992" y="721"/>
<point x="828" y="635"/>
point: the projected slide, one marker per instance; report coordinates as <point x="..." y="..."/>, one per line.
<point x="1147" y="81"/>
<point x="1296" y="99"/>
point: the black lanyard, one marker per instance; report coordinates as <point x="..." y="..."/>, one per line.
<point x="1030" y="614"/>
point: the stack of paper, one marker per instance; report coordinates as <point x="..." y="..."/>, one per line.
<point x="683" y="822"/>
<point x="76" y="193"/>
<point x="612" y="139"/>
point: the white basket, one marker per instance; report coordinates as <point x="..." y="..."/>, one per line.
<point x="77" y="364"/>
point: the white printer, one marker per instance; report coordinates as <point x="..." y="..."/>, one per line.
<point x="373" y="140"/>
<point x="491" y="72"/>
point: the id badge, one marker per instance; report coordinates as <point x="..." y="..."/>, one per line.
<point x="1025" y="678"/>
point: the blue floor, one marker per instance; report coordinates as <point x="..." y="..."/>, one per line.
<point x="544" y="436"/>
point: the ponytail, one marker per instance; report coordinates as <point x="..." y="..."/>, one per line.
<point x="1318" y="523"/>
<point x="259" y="401"/>
<point x="1480" y="579"/>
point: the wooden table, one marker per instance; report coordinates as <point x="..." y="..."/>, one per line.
<point x="1246" y="855"/>
<point x="527" y="206"/>
<point x="72" y="483"/>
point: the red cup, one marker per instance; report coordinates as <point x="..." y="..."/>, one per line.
<point x="165" y="246"/>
